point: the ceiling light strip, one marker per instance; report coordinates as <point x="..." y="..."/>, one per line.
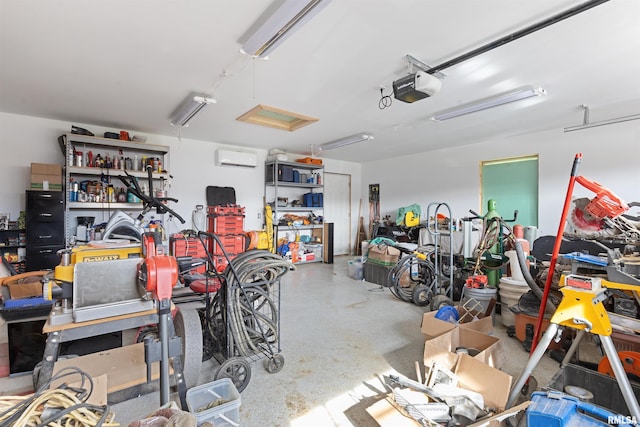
<point x="487" y="103"/>
<point x="284" y="22"/>
<point x="190" y="109"/>
<point x="353" y="139"/>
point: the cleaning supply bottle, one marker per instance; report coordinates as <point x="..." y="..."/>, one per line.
<point x="198" y="218"/>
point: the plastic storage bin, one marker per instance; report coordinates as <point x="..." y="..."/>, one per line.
<point x="375" y="273"/>
<point x="605" y="389"/>
<point x="226" y="414"/>
<point x="560" y="410"/>
<point x="355" y="269"/>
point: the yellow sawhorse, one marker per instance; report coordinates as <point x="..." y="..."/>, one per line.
<point x="581" y="308"/>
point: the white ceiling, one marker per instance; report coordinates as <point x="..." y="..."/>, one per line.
<point x="129" y="64"/>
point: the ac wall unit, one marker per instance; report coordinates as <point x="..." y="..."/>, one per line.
<point x="236" y="158"/>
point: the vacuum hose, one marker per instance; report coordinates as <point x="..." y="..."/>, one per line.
<point x="522" y="261"/>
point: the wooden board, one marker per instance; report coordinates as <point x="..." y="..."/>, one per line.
<point x="124" y="367"/>
<point x="99" y="394"/>
<point x="48" y="328"/>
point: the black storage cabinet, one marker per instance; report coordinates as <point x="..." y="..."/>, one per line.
<point x="44" y="229"/>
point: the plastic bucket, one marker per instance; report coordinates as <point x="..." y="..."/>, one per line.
<point x="355" y="269"/>
<point x="483" y="296"/>
<point x="510" y="292"/>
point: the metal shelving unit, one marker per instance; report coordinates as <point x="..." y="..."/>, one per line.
<point x="73" y="143"/>
<point x="278" y="189"/>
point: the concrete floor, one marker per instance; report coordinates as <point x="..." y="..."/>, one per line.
<point x="338" y="337"/>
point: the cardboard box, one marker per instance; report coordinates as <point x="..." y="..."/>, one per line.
<point x="25" y="290"/>
<point x="46" y="169"/>
<point x="442" y="349"/>
<point x="432" y="327"/>
<point x="383" y="255"/>
<point x="51" y="173"/>
<point x="387" y="414"/>
<point x="493" y="384"/>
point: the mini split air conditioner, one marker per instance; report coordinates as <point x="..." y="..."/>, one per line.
<point x="236" y="158"/>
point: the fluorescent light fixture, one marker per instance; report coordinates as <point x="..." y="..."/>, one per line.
<point x="586" y="124"/>
<point x="487" y="103"/>
<point x="190" y="109"/>
<point x="353" y="139"/>
<point x="284" y="22"/>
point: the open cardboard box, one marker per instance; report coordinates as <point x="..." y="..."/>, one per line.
<point x="442" y="349"/>
<point x="432" y="327"/>
<point x="493" y="384"/>
<point x="383" y="255"/>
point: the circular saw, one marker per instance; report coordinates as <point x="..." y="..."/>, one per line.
<point x="582" y="220"/>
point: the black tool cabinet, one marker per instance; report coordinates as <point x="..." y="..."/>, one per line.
<point x="44" y="229"/>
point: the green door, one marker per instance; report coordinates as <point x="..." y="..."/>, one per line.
<point x="513" y="184"/>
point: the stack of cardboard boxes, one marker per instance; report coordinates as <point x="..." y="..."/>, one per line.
<point x="469" y="350"/>
<point x="45" y="176"/>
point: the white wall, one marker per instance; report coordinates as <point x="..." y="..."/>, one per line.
<point x="191" y="163"/>
<point x="610" y="157"/>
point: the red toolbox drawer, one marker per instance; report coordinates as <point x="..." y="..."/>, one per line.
<point x="179" y="245"/>
<point x="232" y="244"/>
<point x="225" y="210"/>
<point x="230" y="224"/>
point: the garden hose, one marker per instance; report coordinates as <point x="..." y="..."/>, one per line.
<point x="249" y="309"/>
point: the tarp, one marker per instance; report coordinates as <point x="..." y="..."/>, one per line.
<point x="402" y="212"/>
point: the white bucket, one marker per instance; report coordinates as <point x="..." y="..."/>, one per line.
<point x="482" y="295"/>
<point x="510" y="292"/>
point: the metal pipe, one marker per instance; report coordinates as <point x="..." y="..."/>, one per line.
<point x="588" y="125"/>
<point x="532" y="362"/>
<point x="573" y="348"/>
<point x="621" y="376"/>
<point x="164" y="358"/>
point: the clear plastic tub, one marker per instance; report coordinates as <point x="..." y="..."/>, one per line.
<point x="224" y="414"/>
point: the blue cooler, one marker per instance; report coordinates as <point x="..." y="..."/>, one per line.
<point x="556" y="409"/>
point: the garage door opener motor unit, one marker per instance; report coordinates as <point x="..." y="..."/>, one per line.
<point x="416" y="86"/>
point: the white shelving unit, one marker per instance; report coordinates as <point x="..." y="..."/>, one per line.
<point x="74" y="173"/>
<point x="286" y="196"/>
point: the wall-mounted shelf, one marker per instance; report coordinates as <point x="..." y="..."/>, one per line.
<point x="75" y="170"/>
<point x="89" y="205"/>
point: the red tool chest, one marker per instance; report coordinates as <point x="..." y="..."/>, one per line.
<point x="181" y="245"/>
<point x="232" y="244"/>
<point x="227" y="223"/>
<point x="226" y="210"/>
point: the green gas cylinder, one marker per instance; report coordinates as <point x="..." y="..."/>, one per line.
<point x="492" y="221"/>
